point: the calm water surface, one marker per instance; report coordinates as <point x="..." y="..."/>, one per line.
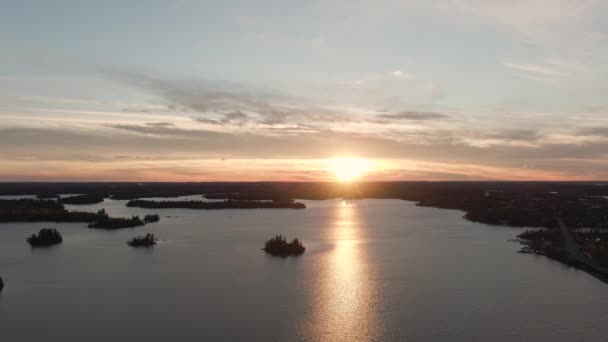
<point x="374" y="270"/>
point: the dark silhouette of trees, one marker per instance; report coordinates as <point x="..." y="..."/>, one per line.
<point x="47" y="196"/>
<point x="81" y="199"/>
<point x="1" y="284"/>
<point x="521" y="204"/>
<point x="143" y="241"/>
<point x="151" y="218"/>
<point x="106" y="222"/>
<point x="46" y="237"/>
<point x="229" y="204"/>
<point x="278" y="246"/>
<point x="32" y="210"/>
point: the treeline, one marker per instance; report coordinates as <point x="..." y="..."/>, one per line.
<point x="523" y="209"/>
<point x="106" y="222"/>
<point x="548" y="242"/>
<point x="229" y="204"/>
<point x="81" y="199"/>
<point x="32" y="210"/>
<point x="534" y="204"/>
<point x="117" y="222"/>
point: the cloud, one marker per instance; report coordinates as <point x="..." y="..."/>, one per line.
<point x="534" y="68"/>
<point x="595" y="131"/>
<point x="230" y="101"/>
<point x="434" y="91"/>
<point x="159" y="124"/>
<point x="155" y="143"/>
<point x="206" y="121"/>
<point x="412" y="115"/>
<point x="552" y="71"/>
<point x="231" y="118"/>
<point x="512" y="134"/>
<point x="399" y="74"/>
<point x="236" y="117"/>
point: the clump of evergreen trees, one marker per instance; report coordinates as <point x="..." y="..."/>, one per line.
<point x="46" y="237"/>
<point x="151" y="218"/>
<point x="143" y="241"/>
<point x="278" y="246"/>
<point x="106" y="222"/>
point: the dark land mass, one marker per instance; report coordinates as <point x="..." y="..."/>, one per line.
<point x="106" y="222"/>
<point x="229" y="204"/>
<point x="143" y="241"/>
<point x="519" y="204"/>
<point x="33" y="210"/>
<point x="278" y="246"/>
<point x="586" y="249"/>
<point x="81" y="199"/>
<point x="1" y="284"/>
<point x="47" y="196"/>
<point x="117" y="222"/>
<point x="46" y="237"/>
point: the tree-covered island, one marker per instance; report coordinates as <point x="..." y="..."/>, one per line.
<point x="46" y="237"/>
<point x="278" y="246"/>
<point x="147" y="240"/>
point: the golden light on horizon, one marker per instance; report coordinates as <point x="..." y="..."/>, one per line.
<point x="350" y="169"/>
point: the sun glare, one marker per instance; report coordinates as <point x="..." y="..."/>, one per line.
<point x="349" y="169"/>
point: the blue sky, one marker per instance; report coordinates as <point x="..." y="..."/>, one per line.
<point x="146" y="90"/>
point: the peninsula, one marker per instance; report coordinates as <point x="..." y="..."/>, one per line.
<point x="35" y="210"/>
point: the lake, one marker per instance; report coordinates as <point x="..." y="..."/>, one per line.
<point x="374" y="270"/>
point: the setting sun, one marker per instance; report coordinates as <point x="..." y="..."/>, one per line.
<point x="349" y="169"/>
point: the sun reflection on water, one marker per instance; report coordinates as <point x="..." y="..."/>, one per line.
<point x="345" y="308"/>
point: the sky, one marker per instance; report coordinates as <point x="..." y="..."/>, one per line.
<point x="276" y="90"/>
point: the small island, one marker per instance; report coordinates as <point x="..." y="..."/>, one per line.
<point x="46" y="237"/>
<point x="143" y="241"/>
<point x="106" y="222"/>
<point x="229" y="204"/>
<point x="278" y="246"/>
<point x="151" y="218"/>
<point x="1" y="284"/>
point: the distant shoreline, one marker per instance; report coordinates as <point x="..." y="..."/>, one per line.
<point x="535" y="204"/>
